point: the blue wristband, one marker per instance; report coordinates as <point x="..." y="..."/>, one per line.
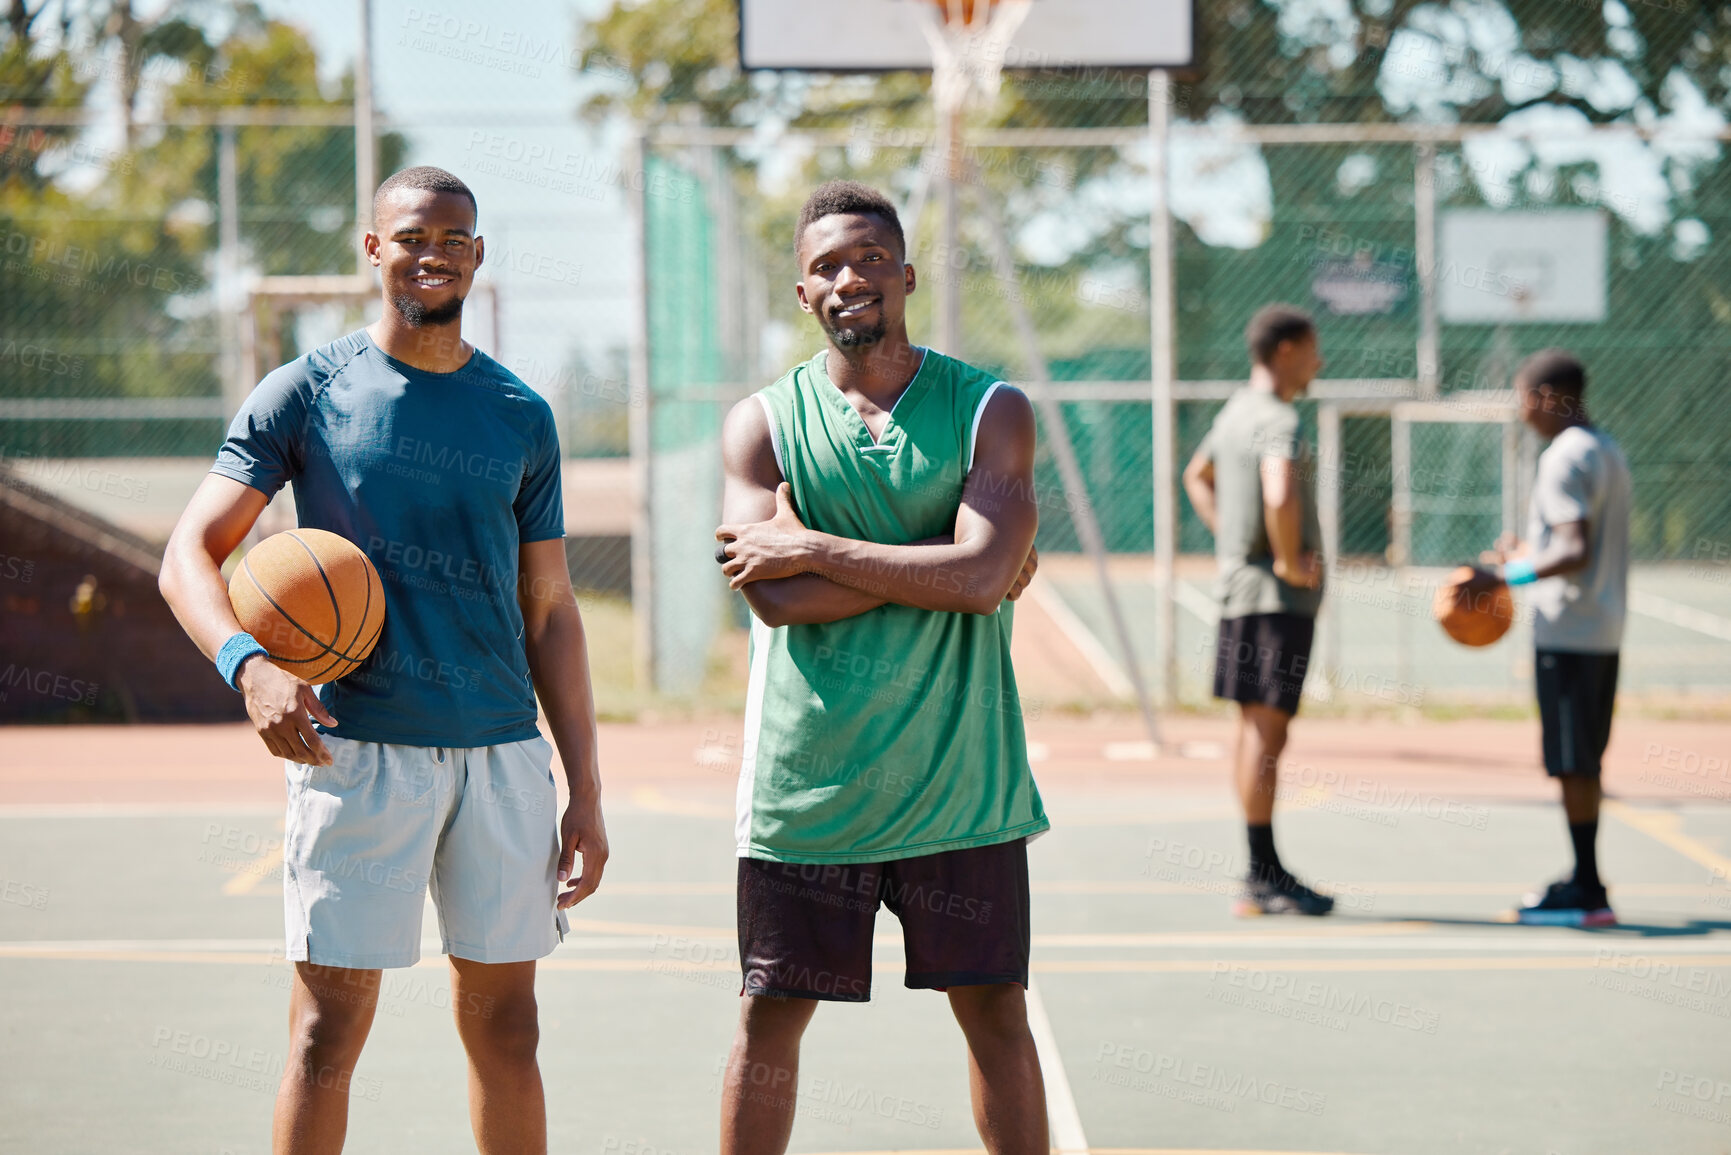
<point x="1519" y="572"/>
<point x="235" y="651"/>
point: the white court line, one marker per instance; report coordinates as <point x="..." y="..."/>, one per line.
<point x="1678" y="614"/>
<point x="1061" y="1113"/>
<point x="1102" y="662"/>
<point x="1197" y="602"/>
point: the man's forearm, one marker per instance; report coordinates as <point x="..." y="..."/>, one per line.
<point x="191" y="583"/>
<point x="945" y="577"/>
<point x="1201" y="496"/>
<point x="806" y="599"/>
<point x="1284" y="523"/>
<point x="559" y="665"/>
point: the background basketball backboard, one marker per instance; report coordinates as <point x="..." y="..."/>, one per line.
<point x="881" y="35"/>
<point x="1499" y="268"/>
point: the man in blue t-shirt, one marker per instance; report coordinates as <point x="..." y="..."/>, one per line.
<point x="424" y="767"/>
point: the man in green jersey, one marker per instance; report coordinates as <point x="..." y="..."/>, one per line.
<point x="880" y="514"/>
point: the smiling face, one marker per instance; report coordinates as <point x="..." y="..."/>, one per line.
<point x="853" y="279"/>
<point x="426" y="252"/>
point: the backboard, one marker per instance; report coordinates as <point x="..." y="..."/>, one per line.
<point x="1499" y="268"/>
<point x="885" y="35"/>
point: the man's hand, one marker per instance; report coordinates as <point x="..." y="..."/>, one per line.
<point x="1306" y="576"/>
<point x="1507" y="546"/>
<point x="581" y="832"/>
<point x="1026" y="576"/>
<point x="282" y="708"/>
<point x="764" y="550"/>
<point x="1483" y="581"/>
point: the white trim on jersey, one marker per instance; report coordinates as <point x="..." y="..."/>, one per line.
<point x="774" y="438"/>
<point x="974" y="433"/>
<point x="762" y="637"/>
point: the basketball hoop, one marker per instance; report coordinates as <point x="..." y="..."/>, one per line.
<point x="969" y="39"/>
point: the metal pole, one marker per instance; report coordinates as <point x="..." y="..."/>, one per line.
<point x="1163" y="350"/>
<point x="639" y="417"/>
<point x="947" y="327"/>
<point x="366" y="149"/>
<point x="235" y="385"/>
<point x="1329" y="460"/>
<point x="1424" y="254"/>
<point x="1400" y="461"/>
<point x="1087" y="525"/>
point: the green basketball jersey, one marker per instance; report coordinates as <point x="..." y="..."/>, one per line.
<point x="898" y="732"/>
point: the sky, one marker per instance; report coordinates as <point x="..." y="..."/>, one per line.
<point x="489" y="91"/>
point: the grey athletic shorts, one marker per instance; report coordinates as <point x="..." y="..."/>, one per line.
<point x="366" y="836"/>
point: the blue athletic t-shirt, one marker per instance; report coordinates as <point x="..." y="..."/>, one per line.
<point x="438" y="477"/>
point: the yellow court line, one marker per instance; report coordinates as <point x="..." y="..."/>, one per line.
<point x="651" y="798"/>
<point x="1662" y="826"/>
<point x="1105" y="1151"/>
<point x="895" y="966"/>
<point x="254" y="872"/>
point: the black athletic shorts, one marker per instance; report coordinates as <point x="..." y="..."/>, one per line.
<point x="1262" y="658"/>
<point x="805" y="929"/>
<point x="1576" y="695"/>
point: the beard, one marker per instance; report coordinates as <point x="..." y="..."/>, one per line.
<point x="859" y="336"/>
<point x="418" y="315"/>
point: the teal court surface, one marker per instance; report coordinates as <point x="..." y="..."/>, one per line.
<point x="145" y="992"/>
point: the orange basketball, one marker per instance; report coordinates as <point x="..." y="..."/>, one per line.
<point x="313" y="601"/>
<point x="1472" y="619"/>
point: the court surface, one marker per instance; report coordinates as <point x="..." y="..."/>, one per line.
<point x="144" y="1008"/>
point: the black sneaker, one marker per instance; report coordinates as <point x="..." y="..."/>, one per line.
<point x="1279" y="894"/>
<point x="1567" y="903"/>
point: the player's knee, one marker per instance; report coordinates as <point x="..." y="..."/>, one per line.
<point x="323" y="1040"/>
<point x="998" y="1011"/>
<point x="511" y="1035"/>
<point x="769" y="1020"/>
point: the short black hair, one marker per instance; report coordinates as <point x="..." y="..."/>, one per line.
<point x="1557" y="368"/>
<point x="1274" y="324"/>
<point x="848" y="196"/>
<point x="422" y="176"/>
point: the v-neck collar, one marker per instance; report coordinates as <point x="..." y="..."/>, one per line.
<point x="864" y="441"/>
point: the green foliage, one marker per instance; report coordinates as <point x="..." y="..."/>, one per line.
<point x="105" y="284"/>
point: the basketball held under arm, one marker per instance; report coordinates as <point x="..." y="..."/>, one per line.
<point x="217" y="519"/>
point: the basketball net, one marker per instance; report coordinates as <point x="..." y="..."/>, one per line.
<point x="968" y="40"/>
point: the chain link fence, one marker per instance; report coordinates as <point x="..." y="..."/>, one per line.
<point x="1370" y="227"/>
<point x="1342" y="164"/>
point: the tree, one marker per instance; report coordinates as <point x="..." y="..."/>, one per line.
<point x="107" y="253"/>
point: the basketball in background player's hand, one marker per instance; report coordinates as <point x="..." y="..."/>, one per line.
<point x="313" y="601"/>
<point x="1473" y="607"/>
